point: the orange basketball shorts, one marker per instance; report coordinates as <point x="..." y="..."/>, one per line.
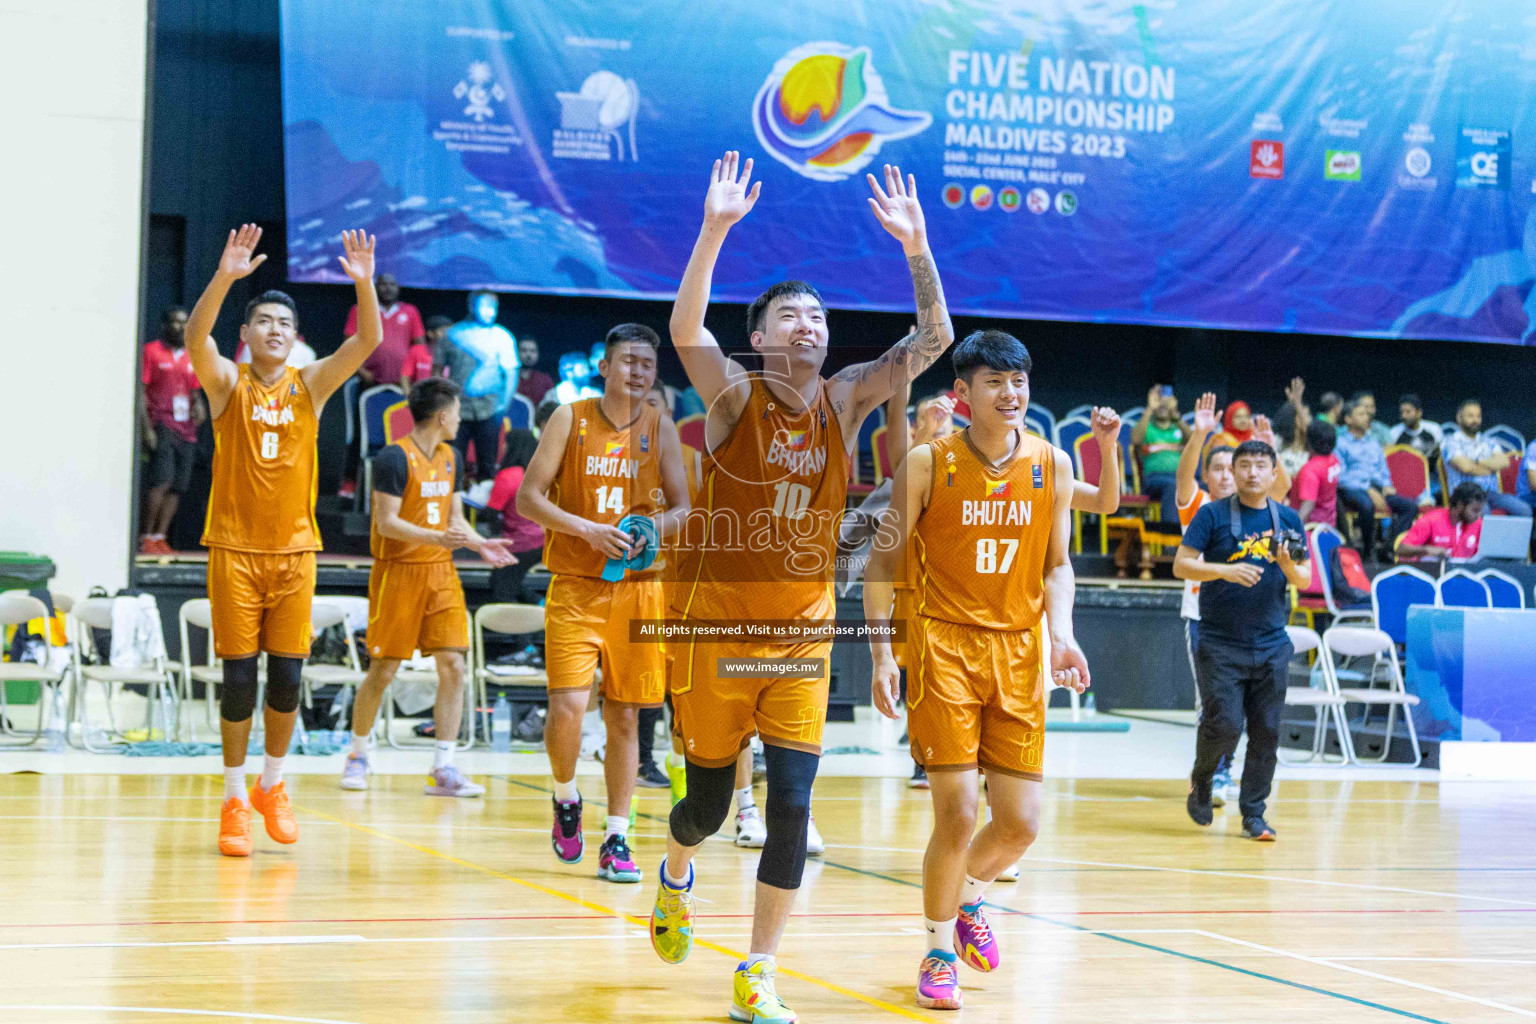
<point x="717" y="715"/>
<point x="976" y="698"/>
<point x="261" y="602"/>
<point x="586" y="623"/>
<point x="415" y="606"/>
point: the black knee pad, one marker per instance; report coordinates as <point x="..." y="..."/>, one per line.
<point x="283" y="683"/>
<point x="237" y="698"/>
<point x="700" y="814"/>
<point x="791" y="773"/>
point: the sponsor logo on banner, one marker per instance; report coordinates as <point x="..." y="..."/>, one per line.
<point x="477" y="89"/>
<point x="1038" y="200"/>
<point x="1066" y="202"/>
<point x="981" y="197"/>
<point x="472" y="126"/>
<point x="954" y="195"/>
<point x="1482" y="158"/>
<point x="1266" y="159"/>
<point x="823" y="111"/>
<point x="1267" y="124"/>
<point x="597" y="121"/>
<point x="1009" y="199"/>
<point x="1342" y="165"/>
<point x="1342" y="127"/>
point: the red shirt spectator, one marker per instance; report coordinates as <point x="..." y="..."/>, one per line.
<point x="532" y="384"/>
<point x="1437" y="528"/>
<point x="169" y="383"/>
<point x="1318" y="482"/>
<point x="418" y="364"/>
<point x="524" y="534"/>
<point x="402" y="329"/>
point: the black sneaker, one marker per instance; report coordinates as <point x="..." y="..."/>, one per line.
<point x="566" y="836"/>
<point x="1257" y="828"/>
<point x="1199" y="803"/>
<point x="651" y="777"/>
<point x="919" y="778"/>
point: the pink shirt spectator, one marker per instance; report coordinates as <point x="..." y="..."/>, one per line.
<point x="1436" y="528"/>
<point x="1318" y="482"/>
<point x="418" y="363"/>
<point x="402" y="327"/>
<point x="169" y="382"/>
<point x="524" y="534"/>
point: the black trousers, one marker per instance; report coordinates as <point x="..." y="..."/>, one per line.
<point x="648" y="719"/>
<point x="1404" y="512"/>
<point x="1240" y="685"/>
<point x="487" y="437"/>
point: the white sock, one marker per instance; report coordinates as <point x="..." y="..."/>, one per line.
<point x="271" y="771"/>
<point x="973" y="891"/>
<point x="941" y="936"/>
<point x="442" y="754"/>
<point x="565" y="792"/>
<point x="234" y="782"/>
<point x="745" y="800"/>
<point x="615" y="826"/>
<point x="360" y="744"/>
<point x="677" y="883"/>
<point x="676" y="760"/>
<point x="766" y="958"/>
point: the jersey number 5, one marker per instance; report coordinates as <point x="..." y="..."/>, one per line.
<point x="986" y="555"/>
<point x="610" y="499"/>
<point x="434" y="514"/>
<point x="269" y="444"/>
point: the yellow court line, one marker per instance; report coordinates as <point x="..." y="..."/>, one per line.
<point x="736" y="955"/>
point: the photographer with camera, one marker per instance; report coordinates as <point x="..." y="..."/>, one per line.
<point x="1243" y="551"/>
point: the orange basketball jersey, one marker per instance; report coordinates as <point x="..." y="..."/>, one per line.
<point x="263" y="496"/>
<point x="607" y="472"/>
<point x="760" y="542"/>
<point x="427" y="501"/>
<point x="981" y="542"/>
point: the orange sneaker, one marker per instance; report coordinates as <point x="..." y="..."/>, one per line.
<point x="275" y="810"/>
<point x="235" y="828"/>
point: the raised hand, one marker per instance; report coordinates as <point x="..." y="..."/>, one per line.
<point x="933" y="415"/>
<point x="1264" y="431"/>
<point x="728" y="200"/>
<point x="1205" y="413"/>
<point x="897" y="209"/>
<point x="1294" y="392"/>
<point x="1105" y="425"/>
<point x="1069" y="666"/>
<point x="358" y="262"/>
<point x="237" y="261"/>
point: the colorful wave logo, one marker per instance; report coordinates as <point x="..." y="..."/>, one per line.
<point x="799" y="440"/>
<point x="823" y="111"/>
<point x="614" y="448"/>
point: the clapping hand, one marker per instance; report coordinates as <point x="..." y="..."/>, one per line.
<point x="498" y="552"/>
<point x="1205" y="413"/>
<point x="1264" y="431"/>
<point x="897" y="209"/>
<point x="728" y="200"/>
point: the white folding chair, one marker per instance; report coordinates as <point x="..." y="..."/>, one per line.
<point x="1376" y="644"/>
<point x="1323" y="699"/>
<point x="466" y="736"/>
<point x="17" y="609"/>
<point x="329" y="610"/>
<point x="160" y="679"/>
<point x="510" y="619"/>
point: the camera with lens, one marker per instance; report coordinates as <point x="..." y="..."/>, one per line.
<point x="1293" y="541"/>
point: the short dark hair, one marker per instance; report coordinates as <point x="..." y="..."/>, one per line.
<point x="1466" y="402"/>
<point x="1322" y="438"/>
<point x="1255" y="448"/>
<point x="1329" y="400"/>
<point x="545" y="410"/>
<point x="990" y="349"/>
<point x="170" y="311"/>
<point x="1467" y="492"/>
<point x="272" y="297"/>
<point x="758" y="311"/>
<point x="1346" y="410"/>
<point x="638" y="334"/>
<point x="1220" y="449"/>
<point x="1411" y="399"/>
<point x="431" y="396"/>
<point x="438" y="322"/>
<point x="1360" y="396"/>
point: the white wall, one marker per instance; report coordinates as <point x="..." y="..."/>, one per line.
<point x="72" y="121"/>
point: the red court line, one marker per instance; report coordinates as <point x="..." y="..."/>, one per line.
<point x="891" y="913"/>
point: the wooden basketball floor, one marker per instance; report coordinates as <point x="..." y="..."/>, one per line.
<point x="1382" y="901"/>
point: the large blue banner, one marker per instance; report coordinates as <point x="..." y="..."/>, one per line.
<point x="1331" y="166"/>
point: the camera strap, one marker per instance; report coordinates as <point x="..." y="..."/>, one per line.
<point x="1235" y="521"/>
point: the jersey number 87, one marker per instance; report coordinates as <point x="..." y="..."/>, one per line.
<point x="987" y="561"/>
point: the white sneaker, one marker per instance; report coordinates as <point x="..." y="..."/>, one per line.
<point x="750" y="830"/>
<point x="1009" y="874"/>
<point x="355" y="775"/>
<point x="815" y="846"/>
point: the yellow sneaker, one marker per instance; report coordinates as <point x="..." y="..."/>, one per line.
<point x="672" y="918"/>
<point x="754" y="1000"/>
<point x="677" y="776"/>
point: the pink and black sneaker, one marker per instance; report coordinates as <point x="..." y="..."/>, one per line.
<point x="974" y="941"/>
<point x="566" y="837"/>
<point x="614" y="862"/>
<point x="938" y="983"/>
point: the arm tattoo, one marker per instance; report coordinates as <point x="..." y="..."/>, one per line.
<point x="908" y="358"/>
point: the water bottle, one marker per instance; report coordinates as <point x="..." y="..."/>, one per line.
<point x="1088" y="704"/>
<point x="56" y="723"/>
<point x="501" y="725"/>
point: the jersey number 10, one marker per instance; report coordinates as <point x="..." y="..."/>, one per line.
<point x="986" y="555"/>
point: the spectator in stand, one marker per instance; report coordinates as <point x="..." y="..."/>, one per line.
<point x="1525" y="483"/>
<point x="170" y="411"/>
<point x="426" y="358"/>
<point x="1328" y="407"/>
<point x="491" y="381"/>
<point x="542" y="414"/>
<point x="300" y="356"/>
<point x="526" y="536"/>
<point x="402" y="329"/>
<point x="532" y="384"/>
<point x="1365" y="485"/>
<point x="1378" y="430"/>
<point x="1158" y="438"/>
<point x="1237" y="426"/>
<point x="1469" y="455"/>
<point x="1291" y="426"/>
<point x="1414" y="430"/>
<point x="1448" y="532"/>
<point x="1315" y="496"/>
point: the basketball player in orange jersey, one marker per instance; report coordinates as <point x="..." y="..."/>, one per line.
<point x="602" y="466"/>
<point x="988" y="512"/>
<point x="415" y="599"/>
<point x="762" y="547"/>
<point x="260" y="532"/>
